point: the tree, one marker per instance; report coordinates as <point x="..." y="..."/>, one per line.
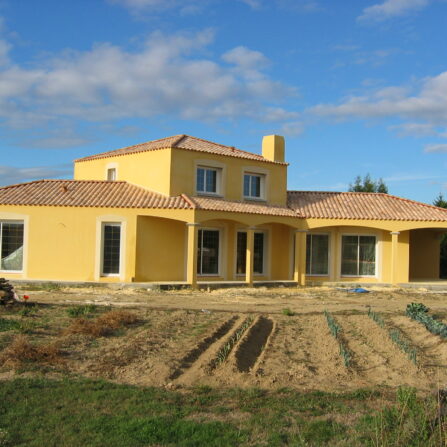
<point x="441" y="202"/>
<point x="367" y="184"/>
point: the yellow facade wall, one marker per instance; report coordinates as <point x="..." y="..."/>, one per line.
<point x="151" y="169"/>
<point x="424" y="254"/>
<point x="161" y="249"/>
<point x="280" y="252"/>
<point x="183" y="175"/>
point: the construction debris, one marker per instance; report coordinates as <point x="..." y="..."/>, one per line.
<point x="7" y="293"/>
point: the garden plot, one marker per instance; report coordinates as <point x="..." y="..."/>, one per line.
<point x="433" y="348"/>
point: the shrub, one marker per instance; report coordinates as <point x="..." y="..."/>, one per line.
<point x="20" y="351"/>
<point x="104" y="325"/>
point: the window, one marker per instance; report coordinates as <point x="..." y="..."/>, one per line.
<point x="258" y="253"/>
<point x="358" y="256"/>
<point x="317" y="254"/>
<point x="254" y="186"/>
<point x="208" y="252"/>
<point x="208" y="180"/>
<point x="111" y="174"/>
<point x="11" y="246"/>
<point x="111" y="236"/>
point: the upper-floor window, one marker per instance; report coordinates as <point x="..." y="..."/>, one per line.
<point x="208" y="180"/>
<point x="11" y="246"/>
<point x="254" y="186"/>
<point x="111" y="174"/>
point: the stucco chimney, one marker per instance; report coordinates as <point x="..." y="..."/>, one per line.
<point x="273" y="147"/>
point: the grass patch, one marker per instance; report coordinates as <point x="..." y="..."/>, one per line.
<point x="70" y="412"/>
<point x="79" y="311"/>
<point x="8" y="325"/>
<point x="288" y="312"/>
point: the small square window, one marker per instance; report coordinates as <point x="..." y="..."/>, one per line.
<point x="254" y="186"/>
<point x="208" y="180"/>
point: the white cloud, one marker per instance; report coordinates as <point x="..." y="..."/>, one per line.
<point x="291" y="129"/>
<point x="436" y="148"/>
<point x="428" y="103"/>
<point x="391" y="8"/>
<point x="11" y="175"/>
<point x="166" y="76"/>
<point x="157" y="6"/>
<point x="414" y="130"/>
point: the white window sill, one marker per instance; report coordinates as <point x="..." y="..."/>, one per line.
<point x="11" y="271"/>
<point x="110" y="275"/>
<point x="209" y="194"/>
<point x="358" y="276"/>
<point x="255" y="199"/>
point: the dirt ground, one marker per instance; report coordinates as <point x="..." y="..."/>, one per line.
<point x="246" y="337"/>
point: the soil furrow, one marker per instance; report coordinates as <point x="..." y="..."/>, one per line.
<point x="202" y="346"/>
<point x="251" y="346"/>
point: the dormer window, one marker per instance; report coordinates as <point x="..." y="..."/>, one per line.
<point x="208" y="180"/>
<point x="254" y="186"/>
<point x="111" y="174"/>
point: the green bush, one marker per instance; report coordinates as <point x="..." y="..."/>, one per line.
<point x="419" y="312"/>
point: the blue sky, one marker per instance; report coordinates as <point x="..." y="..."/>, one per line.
<point x="355" y="86"/>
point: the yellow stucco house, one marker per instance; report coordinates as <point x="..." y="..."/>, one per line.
<point x="182" y="209"/>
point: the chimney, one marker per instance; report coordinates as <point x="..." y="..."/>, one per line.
<point x="273" y="148"/>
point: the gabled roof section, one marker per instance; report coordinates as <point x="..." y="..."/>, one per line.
<point x="87" y="193"/>
<point x="365" y="206"/>
<point x="185" y="142"/>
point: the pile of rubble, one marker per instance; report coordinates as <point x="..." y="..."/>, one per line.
<point x="7" y="293"/>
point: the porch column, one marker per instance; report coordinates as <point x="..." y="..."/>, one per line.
<point x="191" y="260"/>
<point x="299" y="274"/>
<point x="249" y="256"/>
<point x="394" y="256"/>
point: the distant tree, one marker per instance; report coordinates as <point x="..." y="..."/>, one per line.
<point x="441" y="202"/>
<point x="367" y="184"/>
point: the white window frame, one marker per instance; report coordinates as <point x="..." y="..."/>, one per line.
<point x="219" y="259"/>
<point x="264" y="255"/>
<point x="111" y="172"/>
<point x="218" y="172"/>
<point x="122" y="234"/>
<point x="262" y="182"/>
<point x="328" y="274"/>
<point x="13" y="221"/>
<point x="376" y="254"/>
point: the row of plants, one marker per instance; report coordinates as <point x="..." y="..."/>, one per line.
<point x="225" y="350"/>
<point x="419" y="312"/>
<point x="396" y="336"/>
<point x="335" y="330"/>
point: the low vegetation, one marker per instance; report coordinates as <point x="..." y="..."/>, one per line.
<point x="396" y="336"/>
<point x="419" y="312"/>
<point x="336" y="332"/>
<point x="225" y="350"/>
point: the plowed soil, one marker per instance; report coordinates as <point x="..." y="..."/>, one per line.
<point x="179" y="335"/>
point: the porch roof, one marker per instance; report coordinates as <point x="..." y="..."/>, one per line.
<point x="365" y="206"/>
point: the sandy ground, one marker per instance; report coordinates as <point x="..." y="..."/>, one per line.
<point x="257" y="300"/>
<point x="182" y="333"/>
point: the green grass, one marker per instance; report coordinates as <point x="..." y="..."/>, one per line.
<point x="73" y="412"/>
<point x="81" y="311"/>
<point x="288" y="312"/>
<point x="9" y="324"/>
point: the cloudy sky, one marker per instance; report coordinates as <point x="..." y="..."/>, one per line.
<point x="355" y="86"/>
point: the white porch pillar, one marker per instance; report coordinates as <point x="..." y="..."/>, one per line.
<point x="299" y="274"/>
<point x="394" y="256"/>
<point x="249" y="256"/>
<point x="191" y="260"/>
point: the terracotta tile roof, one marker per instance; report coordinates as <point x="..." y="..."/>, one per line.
<point x="357" y="205"/>
<point x="181" y="142"/>
<point x="87" y="193"/>
<point x="214" y="204"/>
